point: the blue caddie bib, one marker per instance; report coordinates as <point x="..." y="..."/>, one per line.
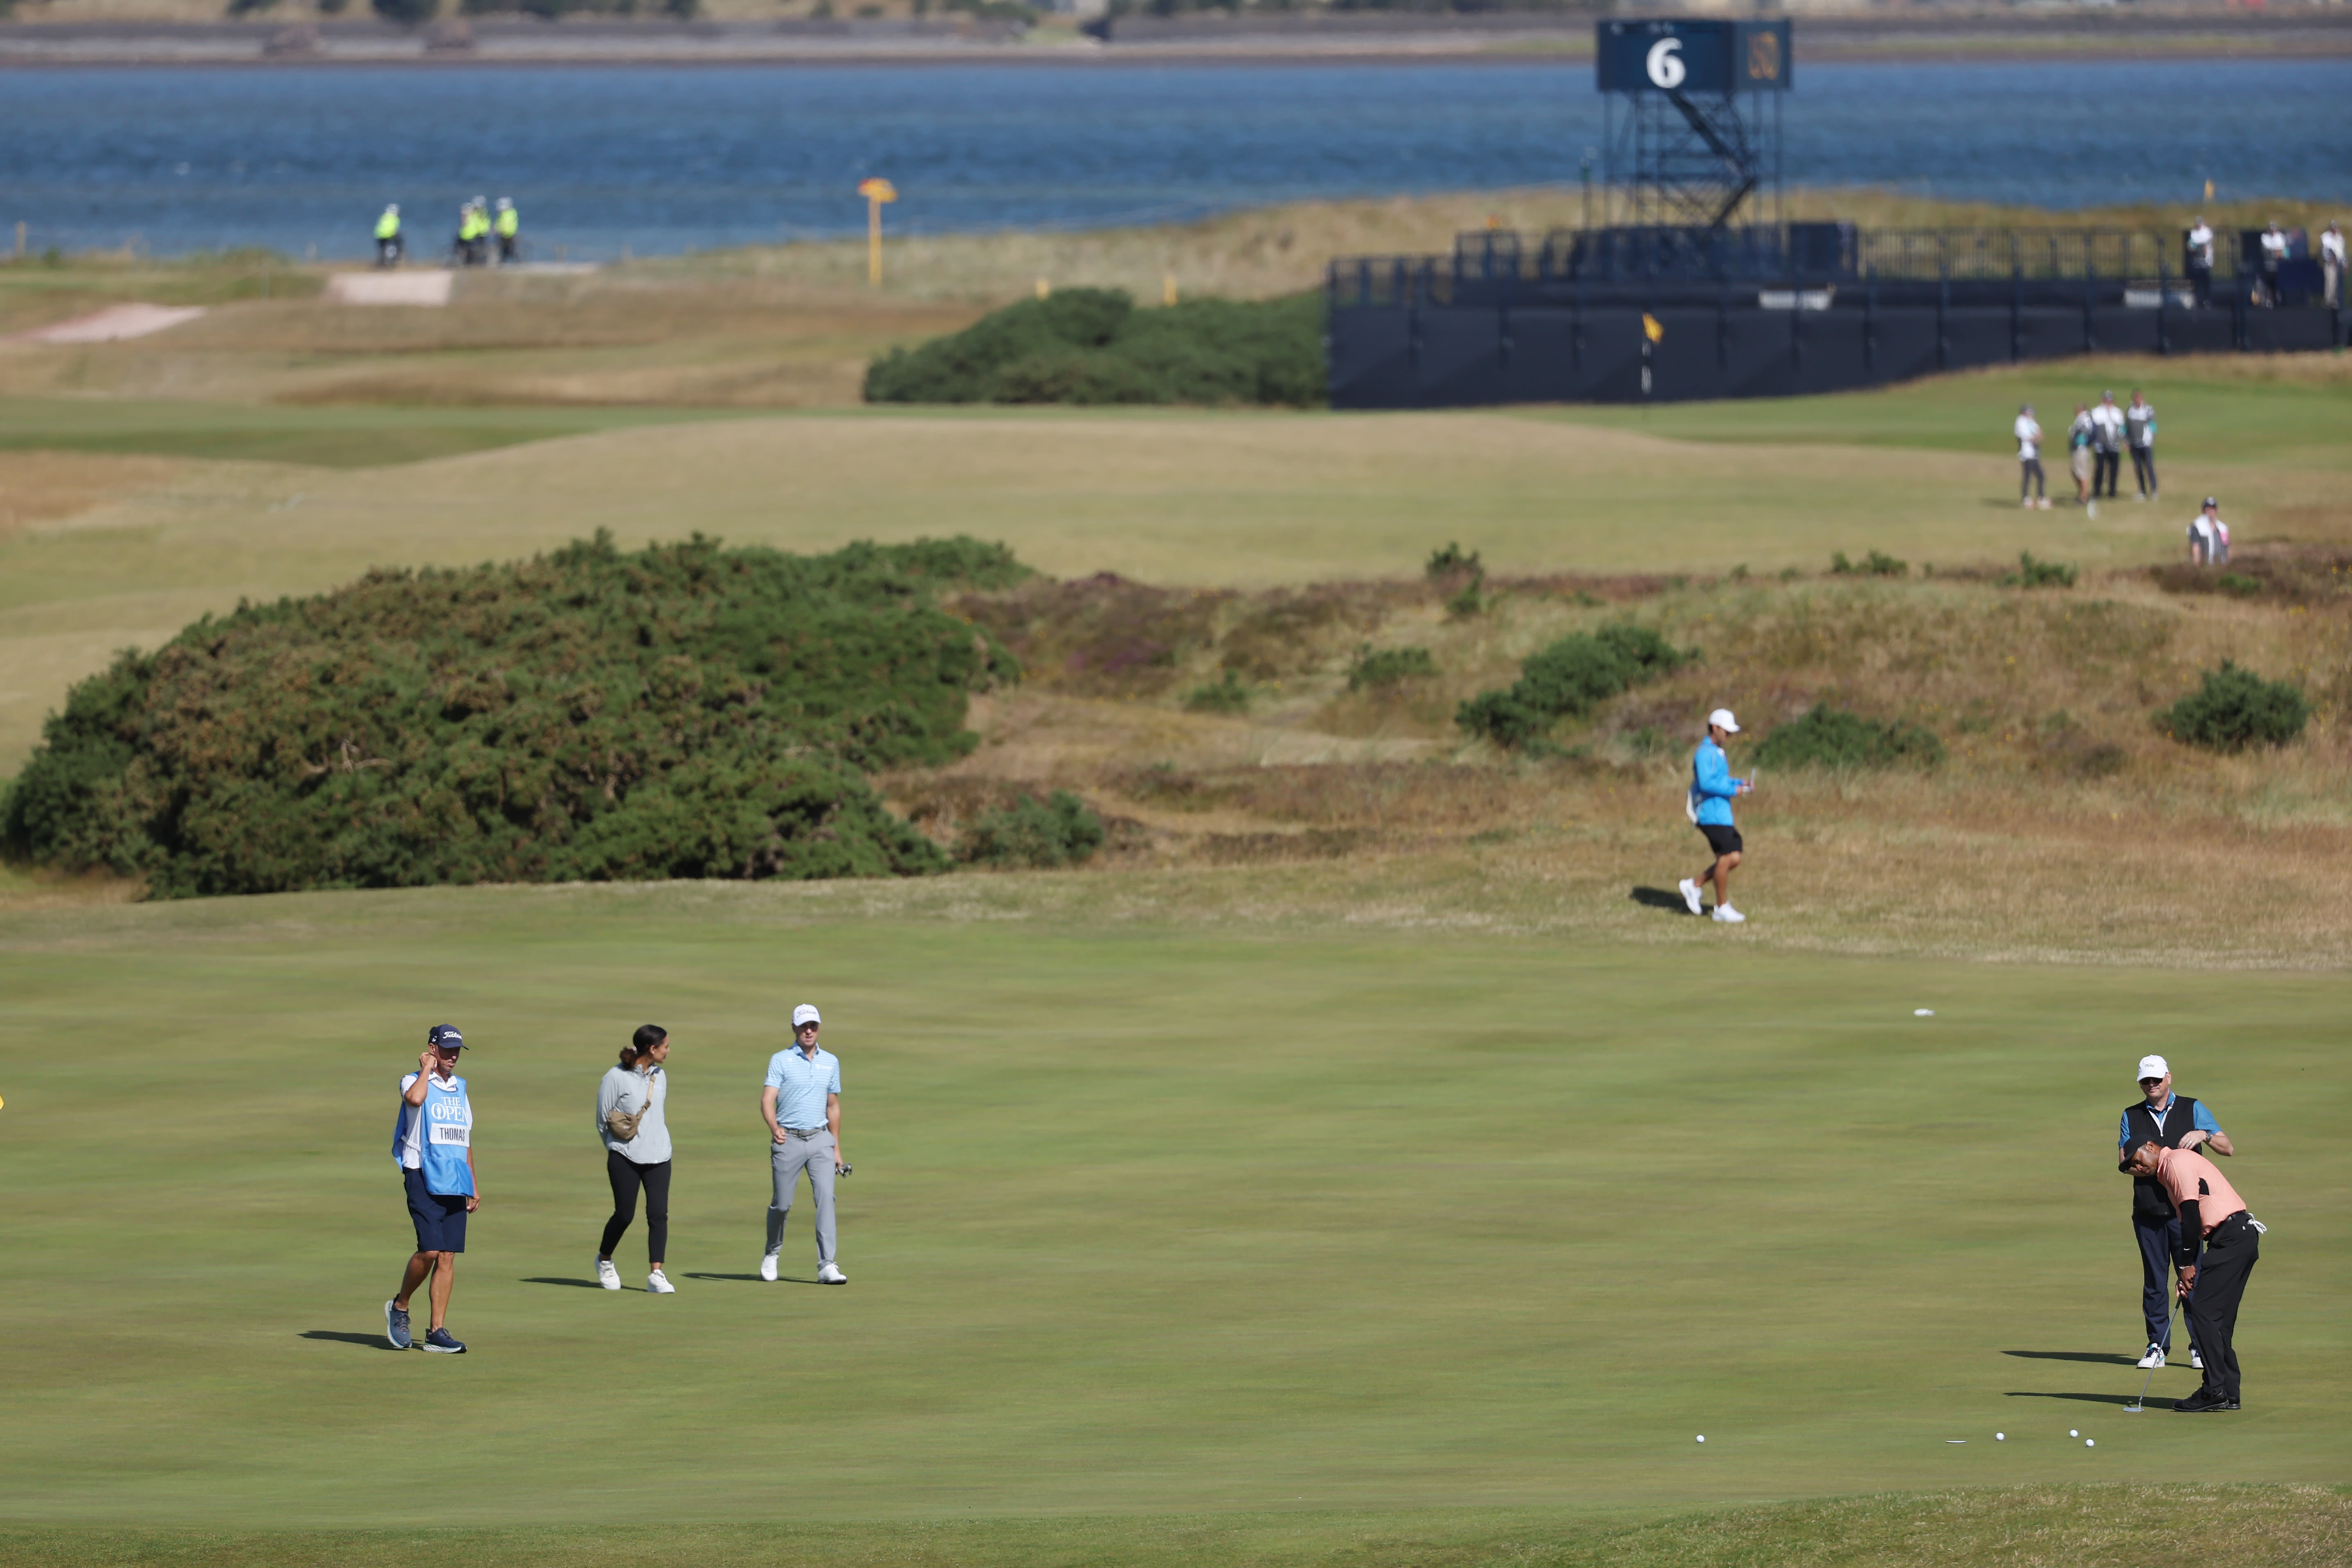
<point x="448" y="1132"/>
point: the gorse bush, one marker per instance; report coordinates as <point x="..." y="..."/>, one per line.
<point x="1451" y="560"/>
<point x="2235" y="709"/>
<point x="2032" y="574"/>
<point x="1093" y="346"/>
<point x="1875" y="565"/>
<point x="1389" y="667"/>
<point x="1227" y="696"/>
<point x="1060" y="831"/>
<point x="1569" y="679"/>
<point x="1834" y="738"/>
<point x="686" y="711"/>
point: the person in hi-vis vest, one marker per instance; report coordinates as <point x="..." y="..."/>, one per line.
<point x="433" y="1144"/>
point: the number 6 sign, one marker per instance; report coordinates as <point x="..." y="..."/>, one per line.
<point x="1666" y="63"/>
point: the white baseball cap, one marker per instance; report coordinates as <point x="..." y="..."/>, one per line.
<point x="2154" y="1067"/>
<point x="1723" y="716"/>
<point x="805" y="1014"/>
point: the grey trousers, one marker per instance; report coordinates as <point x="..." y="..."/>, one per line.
<point x="787" y="1158"/>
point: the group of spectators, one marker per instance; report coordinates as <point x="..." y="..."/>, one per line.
<point x="2277" y="249"/>
<point x="2095" y="442"/>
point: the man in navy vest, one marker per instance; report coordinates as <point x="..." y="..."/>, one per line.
<point x="433" y="1144"/>
<point x="2168" y="1120"/>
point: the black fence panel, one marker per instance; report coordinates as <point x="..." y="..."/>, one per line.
<point x="1370" y="358"/>
<point x="1903" y="343"/>
<point x="1432" y="355"/>
<point x="2289" y="331"/>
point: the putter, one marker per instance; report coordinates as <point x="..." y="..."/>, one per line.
<point x="2136" y="1406"/>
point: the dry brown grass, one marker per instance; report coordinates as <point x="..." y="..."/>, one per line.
<point x="42" y="486"/>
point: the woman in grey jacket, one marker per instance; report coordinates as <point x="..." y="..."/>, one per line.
<point x="636" y="1087"/>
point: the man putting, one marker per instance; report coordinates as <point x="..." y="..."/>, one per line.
<point x="1711" y="791"/>
<point x="2169" y="1120"/>
<point x="802" y="1106"/>
<point x="2210" y="1208"/>
<point x="433" y="1144"/>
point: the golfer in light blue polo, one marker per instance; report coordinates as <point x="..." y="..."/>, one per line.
<point x="802" y="1105"/>
<point x="1712" y="791"/>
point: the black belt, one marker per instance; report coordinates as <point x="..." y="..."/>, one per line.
<point x="2231" y="1227"/>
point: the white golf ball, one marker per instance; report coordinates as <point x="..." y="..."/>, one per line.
<point x="1702" y="1436"/>
<point x="2071" y="1433"/>
<point x="2000" y="1437"/>
<point x="1923" y="1012"/>
<point x="2090" y="1442"/>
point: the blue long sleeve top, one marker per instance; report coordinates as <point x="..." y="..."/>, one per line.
<point x="1712" y="782"/>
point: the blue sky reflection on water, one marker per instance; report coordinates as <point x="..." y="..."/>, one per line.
<point x="658" y="160"/>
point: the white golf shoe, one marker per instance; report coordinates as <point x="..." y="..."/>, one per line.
<point x="606" y="1274"/>
<point x="657" y="1284"/>
<point x="827" y="1274"/>
<point x="2154" y="1358"/>
<point x="768" y="1267"/>
<point x="1690" y="896"/>
<point x="1728" y="915"/>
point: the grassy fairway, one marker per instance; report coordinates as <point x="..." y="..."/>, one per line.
<point x="1148" y="1220"/>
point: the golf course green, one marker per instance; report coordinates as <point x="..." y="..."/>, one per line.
<point x="1150" y="1219"/>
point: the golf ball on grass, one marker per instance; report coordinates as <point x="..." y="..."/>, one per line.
<point x="2000" y="1437"/>
<point x="2071" y="1433"/>
<point x="1702" y="1436"/>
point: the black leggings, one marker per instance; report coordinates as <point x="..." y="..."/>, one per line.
<point x="2144" y="469"/>
<point x="626" y="1174"/>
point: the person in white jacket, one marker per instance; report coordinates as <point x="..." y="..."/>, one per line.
<point x="2031" y="483"/>
<point x="632" y="1097"/>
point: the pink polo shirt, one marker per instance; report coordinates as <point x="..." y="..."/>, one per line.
<point x="2189" y="1176"/>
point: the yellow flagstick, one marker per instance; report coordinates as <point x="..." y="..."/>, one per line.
<point x="875" y="192"/>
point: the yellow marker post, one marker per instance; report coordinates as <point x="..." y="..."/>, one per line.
<point x="875" y="192"/>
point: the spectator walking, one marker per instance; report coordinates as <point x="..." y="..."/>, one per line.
<point x="802" y="1106"/>
<point x="2207" y="536"/>
<point x="2030" y="482"/>
<point x="2215" y="1280"/>
<point x="631" y="1118"/>
<point x="2172" y="1121"/>
<point x="2196" y="261"/>
<point x="2139" y="432"/>
<point x="2106" y="447"/>
<point x="2079" y="436"/>
<point x="2331" y="265"/>
<point x="2275" y="249"/>
<point x="433" y="1144"/>
<point x="1712" y="791"/>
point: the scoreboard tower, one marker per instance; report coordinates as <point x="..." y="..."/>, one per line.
<point x="1693" y="117"/>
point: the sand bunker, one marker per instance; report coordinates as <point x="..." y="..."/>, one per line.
<point x="421" y="288"/>
<point x="113" y="324"/>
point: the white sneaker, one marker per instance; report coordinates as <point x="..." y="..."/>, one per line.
<point x="827" y="1274"/>
<point x="2195" y="1360"/>
<point x="2154" y="1358"/>
<point x="606" y="1274"/>
<point x="768" y="1267"/>
<point x="1728" y="915"/>
<point x="1690" y="896"/>
<point x="2092" y="510"/>
<point x="657" y="1286"/>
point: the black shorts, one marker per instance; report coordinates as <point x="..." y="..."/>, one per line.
<point x="1721" y="838"/>
<point x="440" y="1217"/>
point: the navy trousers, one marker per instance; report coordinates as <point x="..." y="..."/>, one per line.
<point x="2157" y="1240"/>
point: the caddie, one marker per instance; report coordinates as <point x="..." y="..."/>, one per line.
<point x="433" y="1144"/>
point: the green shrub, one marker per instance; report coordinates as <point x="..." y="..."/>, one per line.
<point x="2235" y="709"/>
<point x="1875" y="565"/>
<point x="2032" y="574"/>
<point x="1227" y="696"/>
<point x="1451" y="559"/>
<point x="1389" y="666"/>
<point x="686" y="711"/>
<point x="1059" y="831"/>
<point x="1092" y="346"/>
<point x="1469" y="601"/>
<point x="1567" y="680"/>
<point x="2243" y="587"/>
<point x="1834" y="738"/>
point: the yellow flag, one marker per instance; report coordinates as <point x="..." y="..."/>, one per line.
<point x="1652" y="328"/>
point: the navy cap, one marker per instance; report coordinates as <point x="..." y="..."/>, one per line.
<point x="444" y="1035"/>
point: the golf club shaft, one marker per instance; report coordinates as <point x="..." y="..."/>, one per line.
<point x="2141" y="1402"/>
